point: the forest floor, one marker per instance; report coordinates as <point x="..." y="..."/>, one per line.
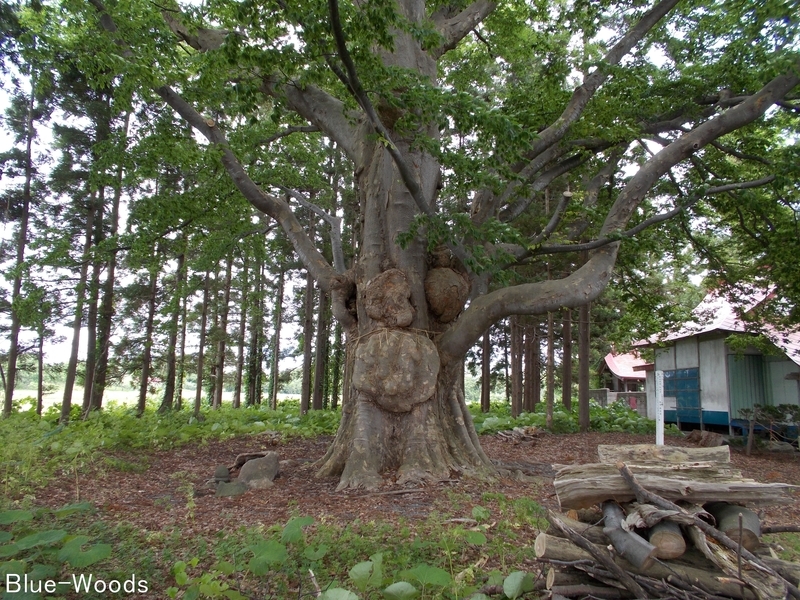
<point x="157" y="490"/>
<point x="168" y="490"/>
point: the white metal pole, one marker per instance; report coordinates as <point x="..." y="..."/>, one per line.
<point x="659" y="408"/>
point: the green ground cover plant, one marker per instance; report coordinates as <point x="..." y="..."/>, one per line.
<point x="437" y="558"/>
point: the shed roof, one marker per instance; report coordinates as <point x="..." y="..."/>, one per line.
<point x="716" y="313"/>
<point x="622" y="365"/>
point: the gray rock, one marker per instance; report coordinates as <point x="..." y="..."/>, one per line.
<point x="775" y="446"/>
<point x="234" y="488"/>
<point x="221" y="473"/>
<point x="259" y="472"/>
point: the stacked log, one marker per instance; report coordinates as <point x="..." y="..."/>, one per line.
<point x="660" y="506"/>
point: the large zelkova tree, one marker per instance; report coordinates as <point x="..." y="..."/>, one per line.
<point x="482" y="136"/>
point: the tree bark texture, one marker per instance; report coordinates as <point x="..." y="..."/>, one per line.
<point x="254" y="352"/>
<point x="308" y="334"/>
<point x="168" y="400"/>
<point x="517" y="347"/>
<point x="550" y="390"/>
<point x="22" y="242"/>
<point x="243" y="300"/>
<point x="77" y="320"/>
<point x="320" y="352"/>
<point x="222" y="334"/>
<point x="528" y="350"/>
<point x="106" y="310"/>
<point x="486" y="371"/>
<point x="198" y="392"/>
<point x="650" y="453"/>
<point x="147" y="353"/>
<point x="276" y="345"/>
<point x="560" y="549"/>
<point x="583" y="368"/>
<point x="582" y="486"/>
<point x="566" y="379"/>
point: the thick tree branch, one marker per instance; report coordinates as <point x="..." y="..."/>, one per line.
<point x="270" y="205"/>
<point x="600" y="554"/>
<point x="454" y="28"/>
<point x="580" y="287"/>
<point x="202" y="40"/>
<point x="686" y="145"/>
<point x="403" y="168"/>
<point x="654" y="220"/>
<point x="287" y="132"/>
<point x="334" y="222"/>
<point x="555" y="219"/>
<point x="327" y="113"/>
<point x="581" y="96"/>
<point x="588" y="282"/>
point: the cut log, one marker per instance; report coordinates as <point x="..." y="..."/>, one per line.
<point x="593" y="533"/>
<point x="647" y="453"/>
<point x="727" y="518"/>
<point x="781" y="529"/>
<point x="765" y="586"/>
<point x="581" y="486"/>
<point x="554" y="548"/>
<point x="566" y="576"/>
<point x="631" y="546"/>
<point x="600" y="554"/>
<point x="722" y="541"/>
<point x="788" y="570"/>
<point x="647" y="516"/>
<point x="592" y="591"/>
<point x="667" y="537"/>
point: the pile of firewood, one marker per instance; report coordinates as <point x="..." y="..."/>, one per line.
<point x="662" y="522"/>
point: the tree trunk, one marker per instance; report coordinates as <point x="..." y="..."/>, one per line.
<point x="486" y="371"/>
<point x="321" y="352"/>
<point x="198" y="392"/>
<point x="405" y="410"/>
<point x="583" y="368"/>
<point x="92" y="308"/>
<point x="254" y="344"/>
<point x="527" y="396"/>
<point x="148" y="343"/>
<point x="276" y="346"/>
<point x="181" y="376"/>
<point x="308" y="331"/>
<point x="550" y="391"/>
<point x="516" y="367"/>
<point x="77" y="321"/>
<point x="566" y="383"/>
<point x="222" y="332"/>
<point x="22" y="242"/>
<point x="243" y="300"/>
<point x="168" y="400"/>
<point x="40" y="374"/>
<point x="213" y="333"/>
<point x="106" y="313"/>
<point x="337" y="366"/>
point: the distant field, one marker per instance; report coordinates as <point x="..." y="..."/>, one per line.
<point x="125" y="397"/>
